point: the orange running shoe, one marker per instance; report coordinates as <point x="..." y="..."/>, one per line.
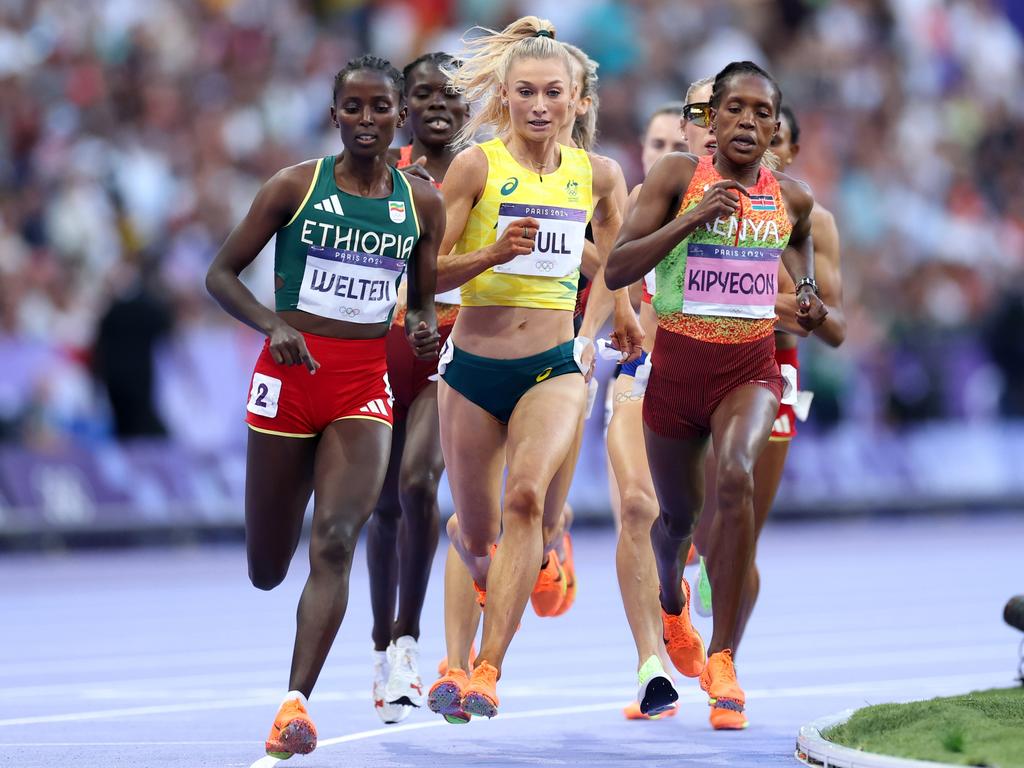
<point x="481" y="695"/>
<point x="683" y="642"/>
<point x="632" y="712"/>
<point x="442" y="665"/>
<point x="725" y="697"/>
<point x="445" y="696"/>
<point x="293" y="732"/>
<point x="691" y="556"/>
<point x="549" y="589"/>
<point x="569" y="568"/>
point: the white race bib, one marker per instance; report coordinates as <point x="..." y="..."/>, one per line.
<point x="558" y="248"/>
<point x="348" y="285"/>
<point x="264" y="395"/>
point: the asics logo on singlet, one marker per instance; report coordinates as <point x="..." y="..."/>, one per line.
<point x="330" y="205"/>
<point x="543" y="375"/>
<point x="510" y="185"/>
<point x="544" y="265"/>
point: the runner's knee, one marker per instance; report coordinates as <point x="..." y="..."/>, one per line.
<point x="524" y="500"/>
<point x="735" y="485"/>
<point x="675" y="526"/>
<point x="638" y="511"/>
<point x="418" y="490"/>
<point x="333" y="544"/>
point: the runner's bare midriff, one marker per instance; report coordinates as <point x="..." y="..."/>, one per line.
<point x="506" y="333"/>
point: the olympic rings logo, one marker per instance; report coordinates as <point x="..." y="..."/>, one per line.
<point x="544" y="265"/>
<point x="349" y="311"/>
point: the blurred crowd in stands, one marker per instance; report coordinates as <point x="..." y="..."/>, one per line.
<point x="133" y="136"/>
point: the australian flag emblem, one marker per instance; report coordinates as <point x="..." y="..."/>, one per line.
<point x="762" y="203"/>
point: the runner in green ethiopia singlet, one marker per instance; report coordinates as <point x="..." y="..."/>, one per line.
<point x="342" y="256"/>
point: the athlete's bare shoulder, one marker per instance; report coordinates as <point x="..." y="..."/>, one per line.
<point x="424" y="193"/>
<point x="796" y="194"/>
<point x="686" y="160"/>
<point x="468" y="171"/>
<point x="671" y="174"/>
<point x="607" y="174"/>
<point x="822" y="216"/>
<point x="288" y="187"/>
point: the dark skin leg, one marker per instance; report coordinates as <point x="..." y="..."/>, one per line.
<point x="351" y="461"/>
<point x="677" y="468"/>
<point x="402" y="534"/>
<point x="767" y="476"/>
<point x="422" y="465"/>
<point x="275" y="502"/>
<point x="382" y="546"/>
<point x="740" y="427"/>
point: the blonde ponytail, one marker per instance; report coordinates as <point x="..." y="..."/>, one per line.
<point x="584" y="129"/>
<point x="485" y="65"/>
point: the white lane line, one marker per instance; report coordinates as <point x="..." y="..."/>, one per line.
<point x="270" y="762"/>
<point x="216" y="683"/>
<point x="914" y="685"/>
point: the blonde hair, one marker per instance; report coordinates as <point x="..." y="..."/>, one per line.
<point x="485" y="65"/>
<point x="696" y="85"/>
<point x="584" y="128"/>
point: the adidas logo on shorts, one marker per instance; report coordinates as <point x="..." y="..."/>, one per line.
<point x="375" y="407"/>
<point x="330" y="205"/>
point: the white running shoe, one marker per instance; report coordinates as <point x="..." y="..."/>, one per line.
<point x="389" y="713"/>
<point x="404" y="684"/>
<point x="656" y="693"/>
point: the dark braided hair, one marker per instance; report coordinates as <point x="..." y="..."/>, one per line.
<point x="376" y="64"/>
<point x="736" y="69"/>
<point x="794" y="126"/>
<point x="439" y="59"/>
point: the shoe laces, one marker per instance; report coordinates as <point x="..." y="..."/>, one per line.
<point x="486" y="671"/>
<point x="290" y="708"/>
<point x="406" y="657"/>
<point x="724" y="668"/>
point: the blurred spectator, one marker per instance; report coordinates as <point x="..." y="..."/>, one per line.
<point x="129" y="331"/>
<point x="130" y="128"/>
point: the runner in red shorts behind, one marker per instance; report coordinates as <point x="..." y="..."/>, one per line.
<point x="402" y="534"/>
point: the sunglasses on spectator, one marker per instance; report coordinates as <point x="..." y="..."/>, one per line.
<point x="698" y="112"/>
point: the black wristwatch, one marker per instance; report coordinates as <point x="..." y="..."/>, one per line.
<point x="807" y="281"/>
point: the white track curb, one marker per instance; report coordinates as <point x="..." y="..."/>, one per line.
<point x="814" y="750"/>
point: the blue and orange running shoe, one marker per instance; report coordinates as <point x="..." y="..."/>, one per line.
<point x="445" y="697"/>
<point x="480" y="697"/>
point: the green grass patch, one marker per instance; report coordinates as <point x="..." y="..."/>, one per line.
<point x="984" y="728"/>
